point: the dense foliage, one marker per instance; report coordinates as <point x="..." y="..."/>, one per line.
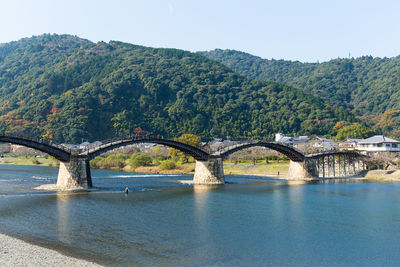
<point x="168" y="164"/>
<point x="190" y="139"/>
<point x="367" y="86"/>
<point x="111" y="161"/>
<point x="63" y="88"/>
<point x="140" y="159"/>
<point x="354" y="130"/>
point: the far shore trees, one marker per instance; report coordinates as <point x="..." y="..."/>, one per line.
<point x="190" y="139"/>
<point x="354" y="130"/>
<point x="98" y="91"/>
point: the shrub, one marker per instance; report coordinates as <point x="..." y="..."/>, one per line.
<point x="111" y="161"/>
<point x="95" y="163"/>
<point x="114" y="161"/>
<point x="167" y="164"/>
<point x="140" y="159"/>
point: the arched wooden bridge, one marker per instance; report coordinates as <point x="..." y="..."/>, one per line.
<point x="75" y="162"/>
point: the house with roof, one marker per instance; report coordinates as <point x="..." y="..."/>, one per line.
<point x="322" y="143"/>
<point x="219" y="143"/>
<point x="349" y="143"/>
<point x="84" y="145"/>
<point x="379" y="143"/>
<point x="291" y="140"/>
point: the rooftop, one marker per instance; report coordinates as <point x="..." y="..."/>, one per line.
<point x="323" y="139"/>
<point x="378" y="139"/>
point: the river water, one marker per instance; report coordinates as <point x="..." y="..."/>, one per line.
<point x="253" y="221"/>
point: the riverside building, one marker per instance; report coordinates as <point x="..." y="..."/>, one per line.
<point x="379" y="143"/>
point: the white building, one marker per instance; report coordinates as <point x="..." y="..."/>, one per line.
<point x="349" y="143"/>
<point x="379" y="143"/>
<point x="219" y="143"/>
<point x="322" y="143"/>
<point x="279" y="136"/>
<point x="291" y="141"/>
<point x="84" y="145"/>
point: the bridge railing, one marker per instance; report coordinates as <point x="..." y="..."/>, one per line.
<point x="223" y="149"/>
<point x="325" y="151"/>
<point x="336" y="152"/>
<point x="41" y="141"/>
<point x="143" y="137"/>
<point x="115" y="140"/>
<point x="120" y="139"/>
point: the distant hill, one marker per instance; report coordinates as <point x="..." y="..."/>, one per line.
<point x="369" y="87"/>
<point x="70" y="88"/>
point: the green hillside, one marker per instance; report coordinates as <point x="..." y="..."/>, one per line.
<point x="369" y="87"/>
<point x="70" y="88"/>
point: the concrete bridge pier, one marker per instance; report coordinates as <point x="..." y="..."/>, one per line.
<point x="74" y="174"/>
<point x="305" y="170"/>
<point x="209" y="172"/>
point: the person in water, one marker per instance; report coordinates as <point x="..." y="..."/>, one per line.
<point x="126" y="190"/>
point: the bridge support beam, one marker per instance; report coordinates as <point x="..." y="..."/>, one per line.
<point x="209" y="172"/>
<point x="305" y="170"/>
<point x="74" y="174"/>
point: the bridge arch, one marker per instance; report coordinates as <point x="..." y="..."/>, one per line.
<point x="291" y="153"/>
<point x="56" y="152"/>
<point x="195" y="152"/>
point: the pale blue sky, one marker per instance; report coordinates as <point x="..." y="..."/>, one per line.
<point x="305" y="30"/>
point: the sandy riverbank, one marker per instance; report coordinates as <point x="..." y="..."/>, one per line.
<point x="229" y="168"/>
<point x="15" y="252"/>
<point x="383" y="175"/>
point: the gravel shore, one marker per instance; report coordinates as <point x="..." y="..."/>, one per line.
<point x="14" y="252"/>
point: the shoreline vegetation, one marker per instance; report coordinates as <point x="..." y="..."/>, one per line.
<point x="29" y="160"/>
<point x="383" y="175"/>
<point x="175" y="162"/>
<point x="142" y="163"/>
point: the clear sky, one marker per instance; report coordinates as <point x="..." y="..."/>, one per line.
<point x="305" y="30"/>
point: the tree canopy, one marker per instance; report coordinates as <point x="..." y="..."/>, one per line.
<point x="354" y="130"/>
<point x="190" y="139"/>
<point x="68" y="88"/>
<point x="367" y="87"/>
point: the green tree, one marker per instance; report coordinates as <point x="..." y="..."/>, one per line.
<point x="79" y="89"/>
<point x="139" y="159"/>
<point x="355" y="130"/>
<point x="168" y="164"/>
<point x="190" y="139"/>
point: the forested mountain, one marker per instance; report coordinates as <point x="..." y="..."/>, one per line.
<point x="69" y="88"/>
<point x="369" y="87"/>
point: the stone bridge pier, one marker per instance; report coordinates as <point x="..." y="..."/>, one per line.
<point x="74" y="174"/>
<point x="209" y="172"/>
<point x="304" y="170"/>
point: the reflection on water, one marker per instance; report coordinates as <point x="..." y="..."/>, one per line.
<point x="253" y="221"/>
<point x="63" y="216"/>
<point x="201" y="195"/>
<point x="202" y="209"/>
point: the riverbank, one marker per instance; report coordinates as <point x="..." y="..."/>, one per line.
<point x="188" y="168"/>
<point x="229" y="168"/>
<point x="383" y="175"/>
<point x="258" y="169"/>
<point x="29" y="161"/>
<point x="180" y="169"/>
<point x="271" y="169"/>
<point x="15" y="252"/>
